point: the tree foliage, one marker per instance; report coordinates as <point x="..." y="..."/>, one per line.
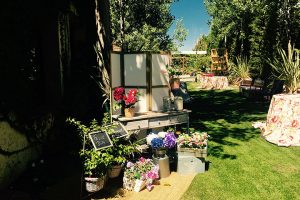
<point x="254" y="28"/>
<point x="141" y="25"/>
<point x="180" y="34"/>
<point x="202" y="43"/>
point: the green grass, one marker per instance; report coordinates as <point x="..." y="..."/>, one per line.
<point x="241" y="164"/>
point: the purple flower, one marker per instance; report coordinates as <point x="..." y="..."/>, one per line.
<point x="170" y="140"/>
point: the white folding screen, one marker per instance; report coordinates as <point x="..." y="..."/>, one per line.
<point x="159" y="70"/>
<point x="160" y="80"/>
<point x="144" y="71"/>
<point x="135" y="70"/>
<point x="115" y="70"/>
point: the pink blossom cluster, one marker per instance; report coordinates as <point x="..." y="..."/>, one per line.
<point x="129" y="99"/>
<point x="143" y="169"/>
<point x="195" y="140"/>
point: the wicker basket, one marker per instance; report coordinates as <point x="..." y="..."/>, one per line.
<point x="114" y="171"/>
<point x="94" y="184"/>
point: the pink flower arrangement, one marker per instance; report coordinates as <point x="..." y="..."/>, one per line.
<point x="143" y="169"/>
<point x="195" y="140"/>
<point x="128" y="99"/>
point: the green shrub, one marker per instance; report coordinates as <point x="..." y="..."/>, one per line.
<point x="287" y="68"/>
<point x="239" y="71"/>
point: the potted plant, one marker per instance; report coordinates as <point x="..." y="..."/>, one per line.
<point x="287" y="68"/>
<point x="118" y="155"/>
<point x="161" y="142"/>
<point x="140" y="174"/>
<point x="95" y="167"/>
<point x="194" y="144"/>
<point x="126" y="100"/>
<point x="95" y="162"/>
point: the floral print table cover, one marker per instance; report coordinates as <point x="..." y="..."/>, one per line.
<point x="213" y="82"/>
<point x="283" y="120"/>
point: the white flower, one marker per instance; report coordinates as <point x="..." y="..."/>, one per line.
<point x="162" y="134"/>
<point x="150" y="137"/>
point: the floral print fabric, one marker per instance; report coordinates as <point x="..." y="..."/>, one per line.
<point x="213" y="82"/>
<point x="283" y="120"/>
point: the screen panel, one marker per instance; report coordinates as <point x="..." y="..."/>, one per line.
<point x="157" y="98"/>
<point x="135" y="70"/>
<point x="115" y="70"/>
<point x="160" y="74"/>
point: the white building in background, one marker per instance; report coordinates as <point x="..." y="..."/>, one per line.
<point x="189" y="52"/>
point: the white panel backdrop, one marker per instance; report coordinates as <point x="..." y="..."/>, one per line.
<point x="159" y="70"/>
<point x="115" y="70"/>
<point x="135" y="69"/>
<point x="157" y="98"/>
<point x="135" y="74"/>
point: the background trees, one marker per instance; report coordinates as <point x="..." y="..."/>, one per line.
<point x="254" y="28"/>
<point x="141" y="25"/>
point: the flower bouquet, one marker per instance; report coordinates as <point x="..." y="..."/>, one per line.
<point x="140" y="174"/>
<point x="126" y="100"/>
<point x="161" y="142"/>
<point x="194" y="144"/>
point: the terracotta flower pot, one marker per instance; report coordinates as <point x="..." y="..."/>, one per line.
<point x="129" y="112"/>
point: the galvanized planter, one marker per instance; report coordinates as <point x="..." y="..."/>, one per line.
<point x="199" y="153"/>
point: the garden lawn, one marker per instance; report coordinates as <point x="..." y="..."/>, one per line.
<point x="241" y="164"/>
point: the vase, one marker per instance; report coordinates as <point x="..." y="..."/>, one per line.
<point x="129" y="112"/>
<point x="94" y="184"/>
<point x="114" y="171"/>
<point x="178" y="101"/>
<point x="164" y="166"/>
<point x="159" y="153"/>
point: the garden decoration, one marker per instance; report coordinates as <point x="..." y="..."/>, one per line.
<point x="160" y="143"/>
<point x="192" y="151"/>
<point x="140" y="174"/>
<point x="194" y="144"/>
<point x="287" y="68"/>
<point x="126" y="101"/>
<point x="96" y="162"/>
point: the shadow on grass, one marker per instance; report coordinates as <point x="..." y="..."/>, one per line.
<point x="225" y="114"/>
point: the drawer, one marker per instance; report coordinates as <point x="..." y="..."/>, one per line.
<point x="141" y="124"/>
<point x="159" y="122"/>
<point x="179" y="119"/>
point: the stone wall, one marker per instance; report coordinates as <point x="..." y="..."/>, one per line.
<point x="16" y="153"/>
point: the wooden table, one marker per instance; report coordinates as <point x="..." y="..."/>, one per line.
<point x="149" y="120"/>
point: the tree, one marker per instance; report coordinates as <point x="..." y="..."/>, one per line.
<point x="180" y="34"/>
<point x="254" y="28"/>
<point x="141" y="25"/>
<point x="202" y="43"/>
